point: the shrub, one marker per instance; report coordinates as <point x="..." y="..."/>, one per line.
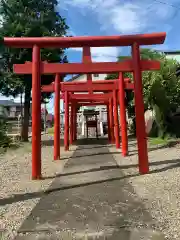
<point x="5" y="141"/>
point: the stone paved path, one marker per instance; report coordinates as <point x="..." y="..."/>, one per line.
<point x="90" y="200"/>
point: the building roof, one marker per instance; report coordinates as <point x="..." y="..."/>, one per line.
<point x="74" y="77"/>
<point x="9" y="103"/>
<point x="174" y="52"/>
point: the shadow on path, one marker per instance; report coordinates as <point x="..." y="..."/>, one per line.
<point x="99" y="203"/>
<point x="27" y="196"/>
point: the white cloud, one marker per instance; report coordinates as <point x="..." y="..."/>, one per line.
<point x="101" y="54"/>
<point x="104" y="54"/>
<point x="126" y="16"/>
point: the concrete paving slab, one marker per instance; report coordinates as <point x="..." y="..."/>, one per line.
<point x="90" y="200"/>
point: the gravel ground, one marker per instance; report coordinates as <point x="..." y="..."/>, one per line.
<point x="15" y="178"/>
<point x="159" y="190"/>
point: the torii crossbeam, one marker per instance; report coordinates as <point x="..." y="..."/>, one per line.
<point x="86" y="68"/>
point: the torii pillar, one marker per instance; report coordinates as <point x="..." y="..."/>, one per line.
<point x="57" y="118"/>
<point x="36" y="110"/>
<point x="139" y="109"/>
<point x="66" y="124"/>
<point x="123" y="123"/>
<point x="108" y="124"/>
<point x="72" y="123"/>
<point x="111" y="120"/>
<point x="75" y="123"/>
<point x="116" y="120"/>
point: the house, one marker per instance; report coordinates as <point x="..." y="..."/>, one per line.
<point x="11" y="109"/>
<point x="3" y="112"/>
<point x="172" y="55"/>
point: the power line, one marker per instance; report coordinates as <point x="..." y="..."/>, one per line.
<point x="168" y="4"/>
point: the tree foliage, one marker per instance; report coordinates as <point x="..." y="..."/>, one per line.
<point x="162" y="92"/>
<point x="161" y="89"/>
<point x="28" y="18"/>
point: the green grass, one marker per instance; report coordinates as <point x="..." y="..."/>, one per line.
<point x="18" y="145"/>
<point x="50" y="130"/>
<point x="159" y="141"/>
<point x="171" y="141"/>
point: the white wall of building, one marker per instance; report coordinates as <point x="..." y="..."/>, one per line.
<point x="95" y="77"/>
<point x="174" y="56"/>
<point x="62" y="104"/>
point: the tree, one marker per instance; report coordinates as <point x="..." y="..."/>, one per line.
<point x="28" y="18"/>
<point x="162" y="92"/>
<point x="128" y="94"/>
<point x="161" y="89"/>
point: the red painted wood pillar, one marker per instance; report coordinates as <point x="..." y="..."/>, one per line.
<point x="71" y="123"/>
<point x="57" y="118"/>
<point x="139" y="109"/>
<point x="111" y="120"/>
<point x="66" y="124"/>
<point x="108" y="124"/>
<point x="74" y="122"/>
<point x="116" y="120"/>
<point x="124" y="137"/>
<point x="36" y="113"/>
<point x="87" y="129"/>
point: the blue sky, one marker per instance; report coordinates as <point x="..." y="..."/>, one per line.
<point x="116" y="17"/>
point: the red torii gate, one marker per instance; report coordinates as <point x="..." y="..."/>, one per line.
<point x="96" y="86"/>
<point x="100" y="85"/>
<point x="81" y="97"/>
<point x="107" y="85"/>
<point x="37" y="68"/>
